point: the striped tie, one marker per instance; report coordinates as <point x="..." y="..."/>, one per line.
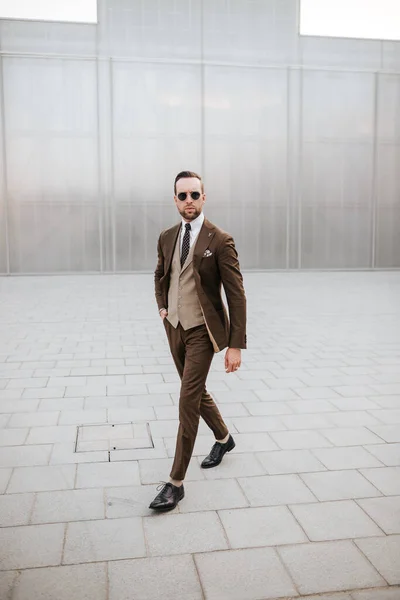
<point x="185" y="244"/>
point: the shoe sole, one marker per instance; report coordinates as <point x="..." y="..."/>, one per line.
<point x="219" y="462"/>
<point x="168" y="508"/>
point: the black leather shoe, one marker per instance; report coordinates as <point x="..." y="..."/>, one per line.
<point x="217" y="453"/>
<point x="168" y="498"/>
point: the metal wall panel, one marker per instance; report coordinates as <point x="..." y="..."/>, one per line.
<point x="156" y="134"/>
<point x="388" y="172"/>
<point x="337" y="167"/>
<point x="51" y="140"/>
<point x="250" y="31"/>
<point x="340" y="53"/>
<point x="245" y="159"/>
<point x="45" y="37"/>
<point x="4" y="267"/>
<point x="293" y="172"/>
<point x="391" y="56"/>
<point x="151" y="28"/>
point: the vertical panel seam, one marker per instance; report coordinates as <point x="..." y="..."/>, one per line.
<point x="289" y="178"/>
<point x="374" y="173"/>
<point x="4" y="166"/>
<point x="300" y="174"/>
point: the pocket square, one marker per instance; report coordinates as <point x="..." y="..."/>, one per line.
<point x="207" y="253"/>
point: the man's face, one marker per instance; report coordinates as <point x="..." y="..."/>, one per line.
<point x="189" y="208"/>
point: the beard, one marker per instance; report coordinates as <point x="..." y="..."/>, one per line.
<point x="190" y="215"/>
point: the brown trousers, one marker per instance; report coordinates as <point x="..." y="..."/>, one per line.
<point x="192" y="352"/>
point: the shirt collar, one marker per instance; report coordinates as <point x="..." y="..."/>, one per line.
<point x="196" y="224"/>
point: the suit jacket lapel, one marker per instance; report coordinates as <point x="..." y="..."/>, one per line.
<point x="203" y="241"/>
<point x="171" y="242"/>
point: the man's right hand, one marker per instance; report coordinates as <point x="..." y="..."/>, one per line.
<point x="163" y="314"/>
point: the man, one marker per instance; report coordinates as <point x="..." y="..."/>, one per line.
<point x="194" y="258"/>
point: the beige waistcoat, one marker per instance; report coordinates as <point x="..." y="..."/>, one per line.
<point x="183" y="302"/>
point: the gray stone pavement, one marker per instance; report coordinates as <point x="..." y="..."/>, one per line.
<point x="307" y="505"/>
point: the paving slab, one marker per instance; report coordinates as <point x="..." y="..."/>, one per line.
<point x="93" y="541"/>
<point x="31" y="546"/>
<point x="155" y="578"/>
<point x="273" y="490"/>
<point x="329" y="566"/>
<point x="252" y="527"/>
<point x="225" y="575"/>
<point x="39" y="479"/>
<point x="107" y="474"/>
<point x="184" y="534"/>
<point x="339" y="485"/>
<point x="86" y="582"/>
<point x="334" y="520"/>
<point x="7" y="580"/>
<point x="15" y="509"/>
<point x="69" y="505"/>
<point x="392" y="593"/>
<point x="384" y="554"/>
<point x="384" y="511"/>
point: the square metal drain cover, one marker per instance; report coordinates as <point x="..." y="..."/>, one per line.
<point x="117" y="436"/>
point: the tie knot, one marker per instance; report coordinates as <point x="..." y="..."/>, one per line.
<point x="188" y="226"/>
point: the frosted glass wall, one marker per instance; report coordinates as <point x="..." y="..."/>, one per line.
<point x="298" y="139"/>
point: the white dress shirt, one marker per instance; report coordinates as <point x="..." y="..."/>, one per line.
<point x="196" y="225"/>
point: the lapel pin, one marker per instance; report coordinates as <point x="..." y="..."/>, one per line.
<point x="210" y="234"/>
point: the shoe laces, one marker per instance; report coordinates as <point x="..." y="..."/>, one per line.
<point x="162" y="485"/>
<point x="214" y="449"/>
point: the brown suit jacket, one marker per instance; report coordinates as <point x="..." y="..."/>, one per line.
<point x="219" y="265"/>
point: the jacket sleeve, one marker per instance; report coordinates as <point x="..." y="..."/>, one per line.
<point x="232" y="281"/>
<point x="158" y="273"/>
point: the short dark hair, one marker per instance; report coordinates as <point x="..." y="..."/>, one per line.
<point x="185" y="175"/>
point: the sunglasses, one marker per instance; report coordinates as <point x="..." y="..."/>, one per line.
<point x="194" y="195"/>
